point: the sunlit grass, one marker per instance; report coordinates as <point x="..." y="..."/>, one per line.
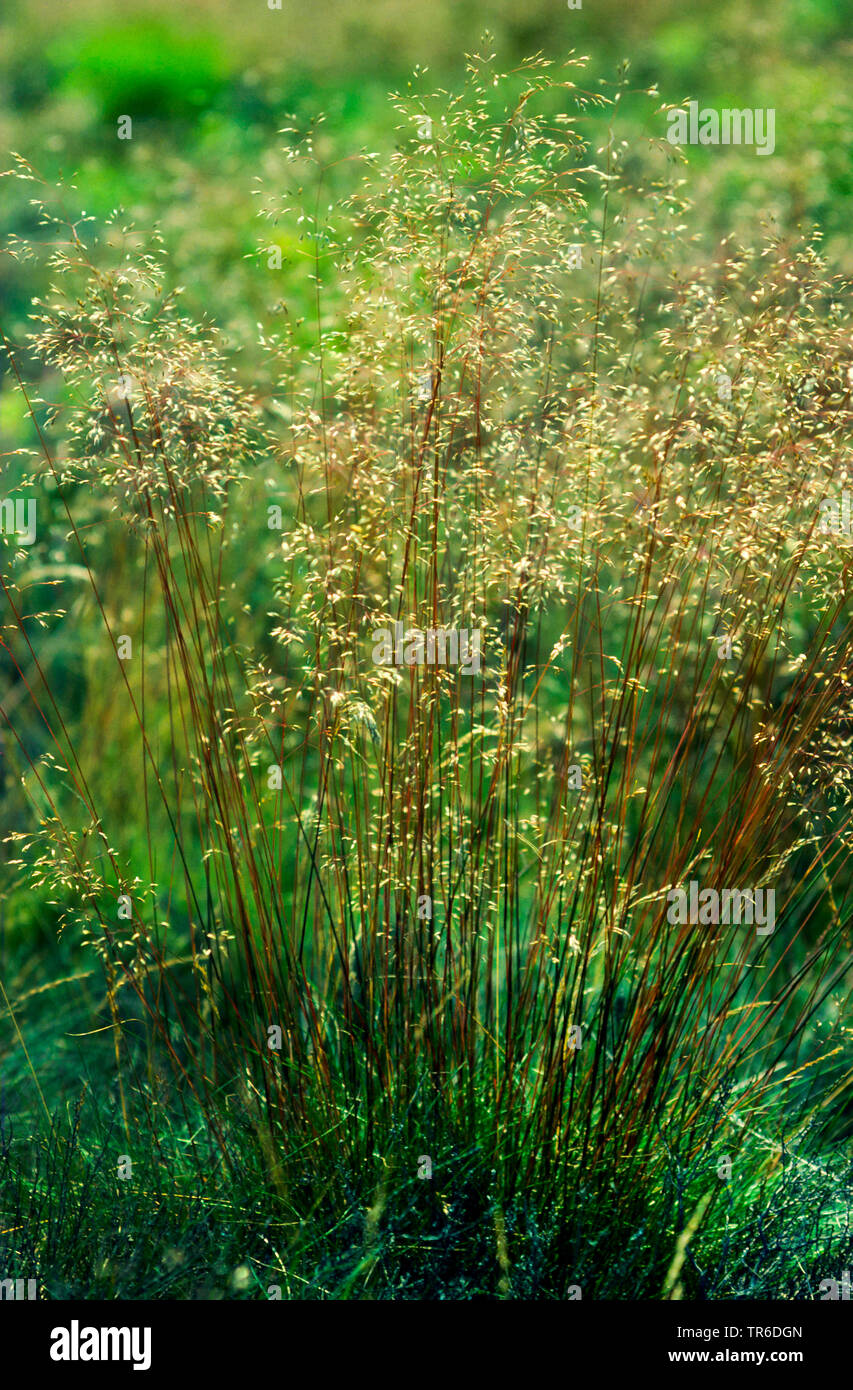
<point x="447" y="892"/>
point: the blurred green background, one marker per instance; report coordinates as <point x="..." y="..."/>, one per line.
<point x="210" y="83"/>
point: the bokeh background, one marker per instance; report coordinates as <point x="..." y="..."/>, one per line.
<point x="209" y="83"/>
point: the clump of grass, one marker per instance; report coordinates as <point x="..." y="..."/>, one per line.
<point x="365" y="915"/>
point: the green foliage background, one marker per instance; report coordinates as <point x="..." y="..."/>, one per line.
<point x="210" y="86"/>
